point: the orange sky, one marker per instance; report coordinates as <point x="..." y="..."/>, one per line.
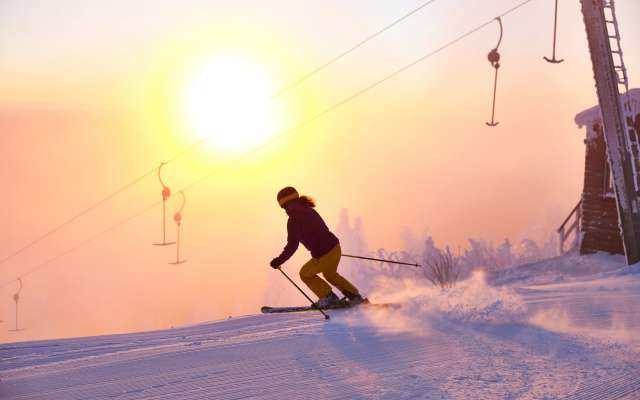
<point x="89" y="101"/>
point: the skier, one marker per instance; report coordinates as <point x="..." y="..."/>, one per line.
<point x="306" y="225"/>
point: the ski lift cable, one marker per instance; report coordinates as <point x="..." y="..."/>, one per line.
<point x="280" y="135"/>
<point x="379" y="32"/>
<point x="198" y="143"/>
<point x="74" y="217"/>
<point x="95" y="205"/>
<point x="80" y="245"/>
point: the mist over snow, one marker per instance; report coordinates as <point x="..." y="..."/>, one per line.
<point x="577" y="338"/>
<point x="76" y="300"/>
<point x="480" y="254"/>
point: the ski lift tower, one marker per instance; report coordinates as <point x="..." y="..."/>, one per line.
<point x="622" y="141"/>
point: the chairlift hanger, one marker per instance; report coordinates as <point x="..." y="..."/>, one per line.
<point x="177" y="217"/>
<point x="166" y="193"/>
<point x="494" y="59"/>
<point x="553" y="59"/>
<point x="16" y="298"/>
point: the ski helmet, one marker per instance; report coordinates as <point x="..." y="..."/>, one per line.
<point x="286" y="195"/>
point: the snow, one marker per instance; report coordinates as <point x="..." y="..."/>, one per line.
<point x="567" y="327"/>
<point x="558" y="269"/>
<point x="592" y="115"/>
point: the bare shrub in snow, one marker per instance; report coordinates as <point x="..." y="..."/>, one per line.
<point x="480" y="254"/>
<point x="442" y="270"/>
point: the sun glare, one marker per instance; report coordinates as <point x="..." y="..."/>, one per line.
<point x="228" y="101"/>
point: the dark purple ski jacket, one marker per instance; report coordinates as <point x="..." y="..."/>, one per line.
<point x="306" y="226"/>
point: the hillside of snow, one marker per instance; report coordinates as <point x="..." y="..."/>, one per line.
<point x="567" y="327"/>
<point x="557" y="269"/>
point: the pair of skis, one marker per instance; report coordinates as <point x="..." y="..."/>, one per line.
<point x="342" y="305"/>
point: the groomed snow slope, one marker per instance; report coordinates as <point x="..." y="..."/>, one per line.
<point x="577" y="340"/>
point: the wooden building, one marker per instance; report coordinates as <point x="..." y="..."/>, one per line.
<point x="594" y="223"/>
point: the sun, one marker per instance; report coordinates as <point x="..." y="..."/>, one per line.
<point x="228" y="101"/>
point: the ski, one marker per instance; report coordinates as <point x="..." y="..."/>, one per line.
<point x="272" y="310"/>
<point x="276" y="310"/>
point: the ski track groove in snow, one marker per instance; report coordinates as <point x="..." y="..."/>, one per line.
<point x="615" y="388"/>
<point x="323" y="364"/>
<point x="295" y="356"/>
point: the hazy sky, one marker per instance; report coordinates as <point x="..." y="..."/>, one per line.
<point x="89" y="99"/>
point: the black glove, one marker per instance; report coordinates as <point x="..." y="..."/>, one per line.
<point x="275" y="263"/>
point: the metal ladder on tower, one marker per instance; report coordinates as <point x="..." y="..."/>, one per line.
<point x="613" y="34"/>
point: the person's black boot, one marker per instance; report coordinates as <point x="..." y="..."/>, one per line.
<point x="329" y="301"/>
<point x="355" y="298"/>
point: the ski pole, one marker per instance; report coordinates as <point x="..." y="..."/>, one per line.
<point x="304" y="294"/>
<point x="380" y="259"/>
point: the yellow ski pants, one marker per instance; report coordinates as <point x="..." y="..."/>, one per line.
<point x="328" y="266"/>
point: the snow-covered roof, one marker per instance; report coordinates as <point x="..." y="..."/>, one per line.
<point x="592" y="115"/>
